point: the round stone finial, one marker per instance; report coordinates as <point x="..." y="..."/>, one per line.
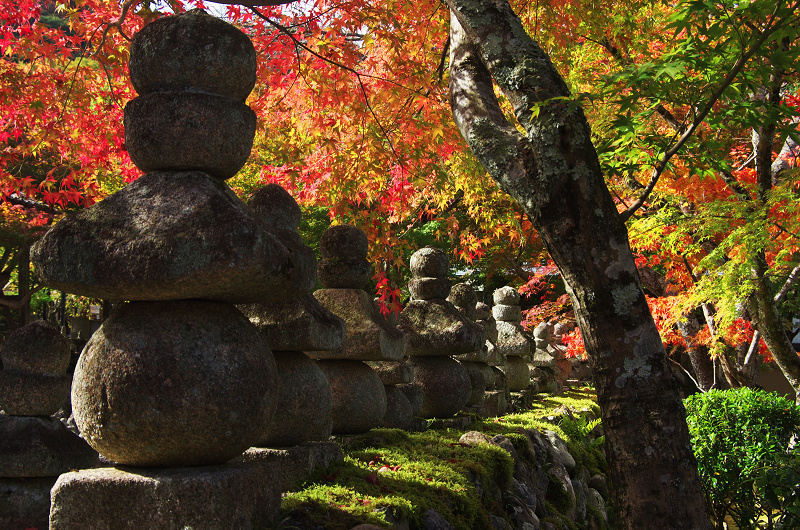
<point x="429" y="262"/>
<point x="36" y="348"/>
<point x="506" y="295"/>
<point x="276" y="207"/>
<point x="463" y="296"/>
<point x="193" y="51"/>
<point x="344" y="241"/>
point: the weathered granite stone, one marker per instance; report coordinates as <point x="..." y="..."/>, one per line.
<point x="393" y="373"/>
<point x="164" y="57"/>
<point x="399" y="413"/>
<point x="24" y="394"/>
<point x="507" y="313"/>
<point x="488" y="376"/>
<point x="543" y="359"/>
<point x="414" y="395"/>
<point x="369" y="337"/>
<point x="174" y="383"/>
<point x="424" y="288"/>
<point x="429" y="262"/>
<point x="221" y="497"/>
<point x="40" y="447"/>
<point x="291" y="466"/>
<point x="186" y="131"/>
<point x="435" y="327"/>
<point x="483" y="311"/>
<point x="25" y="502"/>
<point x="345" y="242"/>
<point x="297" y="324"/>
<point x="542" y="331"/>
<point x="276" y="207"/>
<point x="510" y="340"/>
<point x="344" y="262"/>
<point x="506" y="296"/>
<point x="172" y="236"/>
<point x="359" y="398"/>
<point x="36" y="348"/>
<point x="304" y="402"/>
<point x="599" y="484"/>
<point x="560" y="451"/>
<point x="444" y="383"/>
<point x="480" y="356"/>
<point x="477" y="382"/>
<point x="518" y="375"/>
<point x="336" y="273"/>
<point x="463" y="296"/>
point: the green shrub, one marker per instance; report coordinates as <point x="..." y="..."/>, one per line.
<point x="738" y="436"/>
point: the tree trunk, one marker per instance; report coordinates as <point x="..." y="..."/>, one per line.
<point x="701" y="360"/>
<point x="553" y="172"/>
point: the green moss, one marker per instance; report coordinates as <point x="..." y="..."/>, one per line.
<point x="405" y="474"/>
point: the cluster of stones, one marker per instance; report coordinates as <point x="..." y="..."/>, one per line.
<point x="543" y="363"/>
<point x="360" y="400"/>
<point x="436" y="331"/>
<point x="511" y="341"/>
<point x="488" y="390"/>
<point x="291" y="327"/>
<point x="35" y="448"/>
<point x="177" y="376"/>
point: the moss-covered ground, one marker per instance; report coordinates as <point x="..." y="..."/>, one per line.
<point x="391" y="475"/>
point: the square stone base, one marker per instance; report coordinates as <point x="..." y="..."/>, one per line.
<point x="236" y="495"/>
<point x="293" y="465"/>
<point x="25" y="502"/>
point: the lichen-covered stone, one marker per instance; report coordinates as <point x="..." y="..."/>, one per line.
<point x="435" y="327"/>
<point x="429" y="288"/>
<point x="477" y="382"/>
<point x="368" y="336"/>
<point x="188" y="131"/>
<point x="507" y="313"/>
<point x="36" y="348"/>
<point x="235" y="495"/>
<point x="173" y="384"/>
<point x="506" y="296"/>
<point x="393" y="373"/>
<point x="429" y="262"/>
<point x="297" y="324"/>
<point x="344" y="242"/>
<point x="444" y="383"/>
<point x="359" y="398"/>
<point x="510" y="340"/>
<point x="40" y="447"/>
<point x="172" y="236"/>
<point x="24" y="394"/>
<point x="518" y="375"/>
<point x="344" y="262"/>
<point x="463" y="296"/>
<point x="304" y="402"/>
<point x="276" y="207"/>
<point x="399" y="413"/>
<point x="193" y="51"/>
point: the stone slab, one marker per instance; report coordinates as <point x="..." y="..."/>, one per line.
<point x="436" y="328"/>
<point x="369" y="336"/>
<point x="393" y="373"/>
<point x="235" y="495"/>
<point x="294" y="465"/>
<point x="298" y="324"/>
<point x="40" y="447"/>
<point x="173" y="236"/>
<point x="25" y="503"/>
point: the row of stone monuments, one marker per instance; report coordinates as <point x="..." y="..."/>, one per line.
<point x="222" y="349"/>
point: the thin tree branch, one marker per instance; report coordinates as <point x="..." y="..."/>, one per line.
<point x="698" y="119"/>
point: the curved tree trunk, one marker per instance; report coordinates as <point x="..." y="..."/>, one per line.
<point x="553" y="172"/>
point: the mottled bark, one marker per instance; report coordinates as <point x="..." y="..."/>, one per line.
<point x="701" y="360"/>
<point x="552" y="170"/>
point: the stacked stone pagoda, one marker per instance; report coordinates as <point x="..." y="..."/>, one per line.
<point x="511" y="341"/>
<point x="464" y="298"/>
<point x="359" y="396"/>
<point x="290" y="327"/>
<point x="177" y="376"/>
<point x="436" y="331"/>
<point x="544" y="364"/>
<point x="35" y="448"/>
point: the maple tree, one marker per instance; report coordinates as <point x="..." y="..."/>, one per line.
<point x="354" y="120"/>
